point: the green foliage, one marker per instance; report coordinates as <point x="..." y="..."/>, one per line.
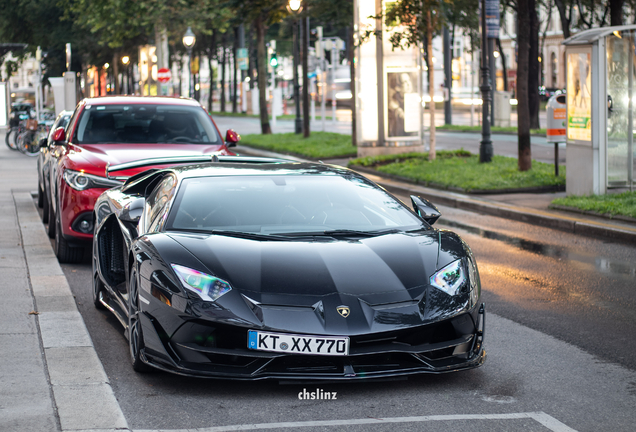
<point x="374" y="161"/>
<point x="623" y="204"/>
<point x="320" y="145"/>
<point x="462" y="170"/>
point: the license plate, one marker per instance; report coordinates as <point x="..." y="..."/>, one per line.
<point x="298" y="344"/>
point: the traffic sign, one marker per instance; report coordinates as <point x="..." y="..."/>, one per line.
<point x="164" y="75"/>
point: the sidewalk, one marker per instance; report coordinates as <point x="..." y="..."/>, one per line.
<point x="50" y="376"/>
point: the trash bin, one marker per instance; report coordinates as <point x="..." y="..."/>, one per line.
<point x="556" y="119"/>
<point x="555" y="131"/>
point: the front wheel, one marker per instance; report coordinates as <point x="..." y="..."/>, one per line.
<point x="64" y="252"/>
<point x="135" y="334"/>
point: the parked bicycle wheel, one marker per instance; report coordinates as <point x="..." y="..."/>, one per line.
<point x="10" y="137"/>
<point x="29" y="144"/>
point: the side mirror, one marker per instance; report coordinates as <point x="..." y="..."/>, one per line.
<point x="42" y="143"/>
<point x="59" y="136"/>
<point x="231" y="138"/>
<point x="425" y="209"/>
<point x="133" y="210"/>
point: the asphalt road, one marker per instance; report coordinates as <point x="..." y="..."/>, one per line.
<point x="560" y="341"/>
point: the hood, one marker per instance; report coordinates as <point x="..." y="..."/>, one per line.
<point x="298" y="285"/>
<point x="99" y="155"/>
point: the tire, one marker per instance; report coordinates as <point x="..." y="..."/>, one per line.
<point x="50" y="228"/>
<point x="135" y="334"/>
<point x="64" y="252"/>
<point x="40" y="196"/>
<point x="45" y="208"/>
<point x="10" y="137"/>
<point x="98" y="292"/>
<point x="29" y="144"/>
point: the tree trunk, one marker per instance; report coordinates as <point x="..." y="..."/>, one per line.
<point x="211" y="91"/>
<point x="534" y="67"/>
<point x="352" y="73"/>
<point x="262" y="74"/>
<point x="253" y="60"/>
<point x="305" y="69"/>
<point x="235" y="71"/>
<point x="223" y="60"/>
<point x="523" y="109"/>
<point x="116" y="72"/>
<point x="503" y="65"/>
<point x="563" y="15"/>
<point x="616" y="12"/>
<point x="431" y="84"/>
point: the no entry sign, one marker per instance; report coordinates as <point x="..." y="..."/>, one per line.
<point x="164" y="75"/>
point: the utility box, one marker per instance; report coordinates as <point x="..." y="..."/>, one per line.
<point x="601" y="79"/>
<point x="502" y="109"/>
<point x="556" y="113"/>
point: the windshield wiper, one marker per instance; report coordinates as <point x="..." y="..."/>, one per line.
<point x="343" y="233"/>
<point x="238" y="234"/>
<point x="247" y="235"/>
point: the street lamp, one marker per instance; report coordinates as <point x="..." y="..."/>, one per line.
<point x="125" y="60"/>
<point x="189" y="39"/>
<point x="295" y="7"/>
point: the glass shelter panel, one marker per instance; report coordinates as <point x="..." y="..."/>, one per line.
<point x="620" y="108"/>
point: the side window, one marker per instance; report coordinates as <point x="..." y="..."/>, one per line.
<point x="158" y="202"/>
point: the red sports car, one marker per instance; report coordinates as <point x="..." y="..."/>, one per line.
<point x="103" y="137"/>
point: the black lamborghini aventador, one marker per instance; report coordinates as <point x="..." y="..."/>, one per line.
<point x="253" y="268"/>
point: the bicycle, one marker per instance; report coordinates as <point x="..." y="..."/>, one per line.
<point x="28" y="142"/>
<point x="16" y="123"/>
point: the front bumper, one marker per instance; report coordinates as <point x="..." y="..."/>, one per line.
<point x="446" y="346"/>
<point x="75" y="205"/>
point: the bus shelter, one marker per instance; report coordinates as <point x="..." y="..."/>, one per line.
<point x="600" y="81"/>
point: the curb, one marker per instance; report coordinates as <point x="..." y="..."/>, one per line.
<point x="81" y="392"/>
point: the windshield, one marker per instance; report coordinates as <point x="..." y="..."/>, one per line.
<point x="136" y="123"/>
<point x="299" y="204"/>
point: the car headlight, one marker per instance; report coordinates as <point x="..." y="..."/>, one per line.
<point x="450" y="278"/>
<point x="79" y="180"/>
<point x="204" y="285"/>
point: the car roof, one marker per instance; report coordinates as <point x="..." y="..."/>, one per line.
<point x="152" y="100"/>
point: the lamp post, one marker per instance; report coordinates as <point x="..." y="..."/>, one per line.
<point x="189" y="39"/>
<point x="125" y="60"/>
<point x="295" y="7"/>
<point x="485" y="146"/>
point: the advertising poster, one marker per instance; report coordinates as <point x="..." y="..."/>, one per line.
<point x="403" y="112"/>
<point x="579" y="85"/>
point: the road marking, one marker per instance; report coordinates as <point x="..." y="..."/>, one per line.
<point x="544" y="419"/>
